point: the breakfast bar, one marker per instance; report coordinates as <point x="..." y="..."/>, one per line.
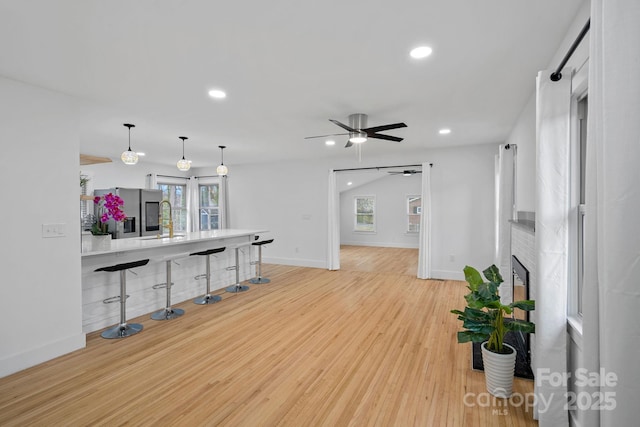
<point x="188" y="278"/>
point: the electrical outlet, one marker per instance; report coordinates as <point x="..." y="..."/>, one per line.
<point x="452" y="258"/>
<point x="54" y="230"/>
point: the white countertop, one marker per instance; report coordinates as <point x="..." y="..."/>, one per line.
<point x="180" y="238"/>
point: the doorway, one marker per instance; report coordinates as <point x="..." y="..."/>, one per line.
<point x="391" y="240"/>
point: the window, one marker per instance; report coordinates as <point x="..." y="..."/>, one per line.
<point x="208" y="208"/>
<point x="414" y="209"/>
<point x="577" y="231"/>
<point x="176" y="194"/>
<point x="86" y="209"/>
<point x="583" y="106"/>
<point x="365" y="207"/>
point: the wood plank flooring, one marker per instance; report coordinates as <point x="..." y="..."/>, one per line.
<point x="312" y="348"/>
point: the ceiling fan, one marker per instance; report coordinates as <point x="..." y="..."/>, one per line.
<point x="405" y="172"/>
<point x="359" y="132"/>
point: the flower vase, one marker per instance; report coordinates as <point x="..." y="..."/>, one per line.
<point x="96" y="242"/>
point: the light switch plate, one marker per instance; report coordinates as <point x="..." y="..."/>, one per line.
<point x="53" y="230"/>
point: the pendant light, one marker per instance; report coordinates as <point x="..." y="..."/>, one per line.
<point x="183" y="164"/>
<point x="129" y="157"/>
<point x="222" y="170"/>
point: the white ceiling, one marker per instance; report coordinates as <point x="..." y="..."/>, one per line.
<point x="287" y="67"/>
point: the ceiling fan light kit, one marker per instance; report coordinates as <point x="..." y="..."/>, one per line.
<point x="129" y="157"/>
<point x="357" y="137"/>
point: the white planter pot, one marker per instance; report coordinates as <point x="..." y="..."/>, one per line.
<point x="92" y="243"/>
<point x="498" y="371"/>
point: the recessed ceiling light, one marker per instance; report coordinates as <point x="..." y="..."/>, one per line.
<point x="217" y="93"/>
<point x="420" y="52"/>
<point x="444" y="131"/>
<point x="140" y="154"/>
<point x="349" y="183"/>
<point x="330" y="142"/>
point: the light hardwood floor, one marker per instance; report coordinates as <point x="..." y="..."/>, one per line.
<point x="312" y="348"/>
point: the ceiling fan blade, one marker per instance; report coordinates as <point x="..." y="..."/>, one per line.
<point x="375" y="129"/>
<point x="405" y="172"/>
<point x="343" y="126"/>
<point x="324" y="136"/>
<point x="385" y="137"/>
<point x="349" y="144"/>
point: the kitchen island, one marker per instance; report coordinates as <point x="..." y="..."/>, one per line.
<point x="143" y="299"/>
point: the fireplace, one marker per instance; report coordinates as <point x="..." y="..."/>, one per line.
<point x="521" y="283"/>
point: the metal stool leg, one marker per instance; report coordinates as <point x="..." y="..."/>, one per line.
<point x="237" y="287"/>
<point x="208" y="298"/>
<point x="168" y="312"/>
<point x="259" y="280"/>
<point x="124" y="329"/>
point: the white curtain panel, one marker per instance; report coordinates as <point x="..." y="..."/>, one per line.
<point x="193" y="204"/>
<point x="424" y="239"/>
<point x="333" y="226"/>
<point x="505" y="202"/>
<point x="553" y="104"/>
<point x="223" y="203"/>
<point x="612" y="285"/>
<point x="152" y="181"/>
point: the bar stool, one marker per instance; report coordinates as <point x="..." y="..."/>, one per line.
<point x="237" y="287"/>
<point x="259" y="279"/>
<point x="124" y="329"/>
<point x="208" y="298"/>
<point x="168" y="312"/>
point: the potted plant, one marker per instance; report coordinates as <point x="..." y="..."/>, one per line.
<point x="110" y="207"/>
<point x="483" y="320"/>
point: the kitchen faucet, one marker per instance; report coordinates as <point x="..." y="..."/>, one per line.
<point x="170" y="219"/>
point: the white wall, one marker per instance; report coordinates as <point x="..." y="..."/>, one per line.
<point x="391" y="193"/>
<point x="523" y="133"/>
<point x="290" y="200"/>
<point x="40" y="283"/>
<point x="117" y="174"/>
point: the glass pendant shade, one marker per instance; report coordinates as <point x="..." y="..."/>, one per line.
<point x="129" y="157"/>
<point x="183" y="164"/>
<point x="222" y="170"/>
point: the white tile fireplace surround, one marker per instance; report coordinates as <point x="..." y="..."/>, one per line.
<point x="523" y="247"/>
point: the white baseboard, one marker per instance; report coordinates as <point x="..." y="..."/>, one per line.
<point x="313" y="263"/>
<point x="382" y="245"/>
<point x="35" y="356"/>
<point x="447" y="275"/>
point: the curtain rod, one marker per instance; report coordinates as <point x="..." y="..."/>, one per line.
<point x="207" y="176"/>
<point x="380" y="167"/>
<point x="557" y="75"/>
<point x="170" y="176"/>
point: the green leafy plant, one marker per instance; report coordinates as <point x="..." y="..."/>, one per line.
<point x="483" y="319"/>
